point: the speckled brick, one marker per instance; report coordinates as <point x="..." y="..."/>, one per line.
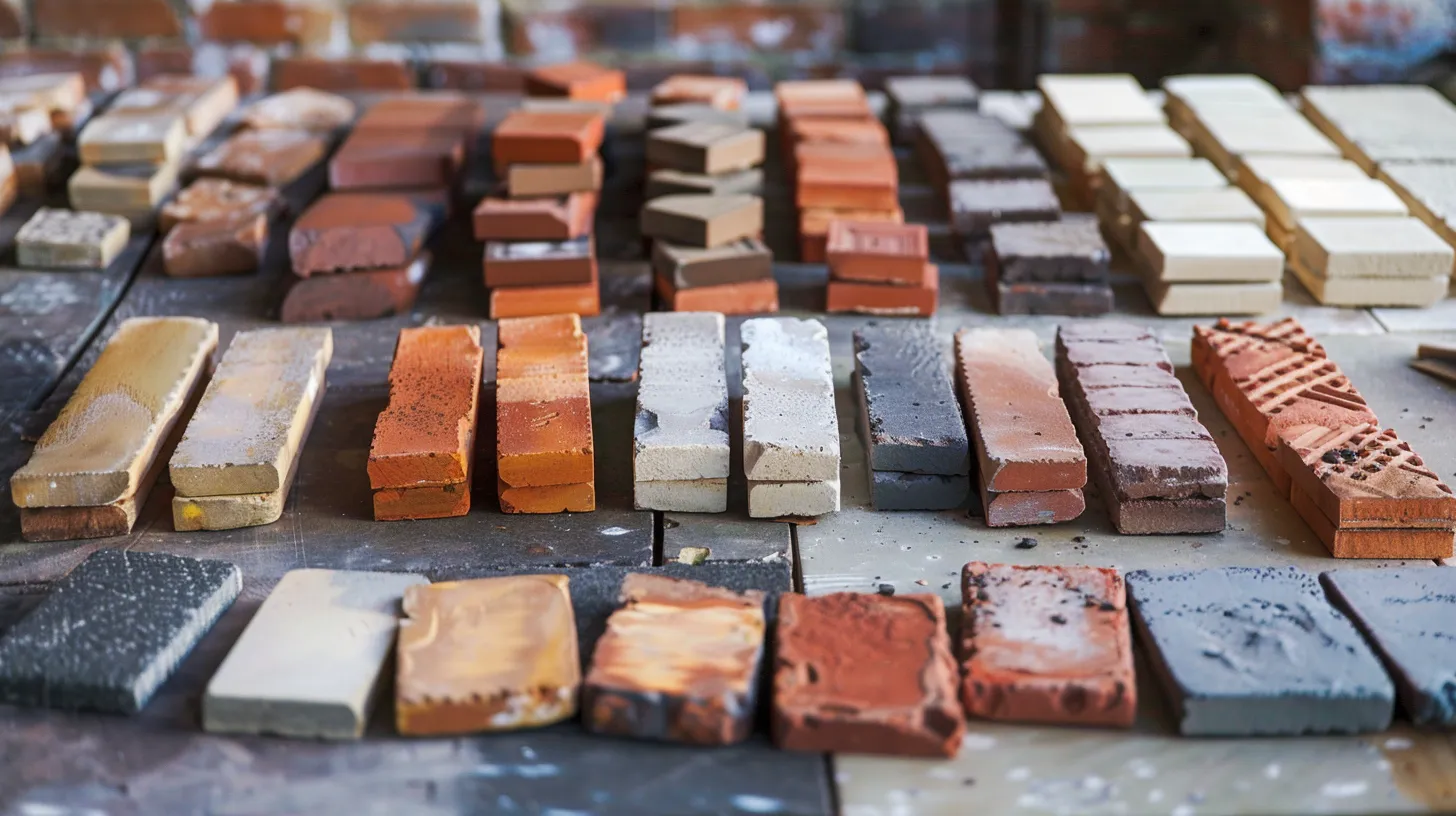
<point x="426" y="436"/>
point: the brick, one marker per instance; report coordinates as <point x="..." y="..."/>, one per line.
<point x="363" y="294"/>
<point x="1403" y="613"/>
<point x="344" y="231"/>
<point x="59" y="92"/>
<point x="68" y="239"/>
<point x="537" y="180"/>
<point x="414" y="503"/>
<point x="453" y="680"/>
<point x="1023" y="509"/>
<point x="790" y="429"/>
<point x="534" y="219"/>
<point x="13" y="179"/>
<point x="426" y="436"/>
<point x="126" y="139"/>
<point x="958" y="144"/>
<point x="746" y="297"/>
<point x="205" y="101"/>
<point x="240" y="510"/>
<point x="676" y="182"/>
<point x="857" y="131"/>
<point x="299" y="109"/>
<point x="1375" y="479"/>
<point x="211" y="248"/>
<point x="703" y="221"/>
<point x="917" y="93"/>
<point x="878" y="252"/>
<point x="682" y="496"/>
<point x="1107" y="99"/>
<point x="268" y="22"/>
<point x="543" y="419"/>
<point x="688" y="267"/>
<point x="131" y="191"/>
<point x="250" y="424"/>
<point x="384" y="21"/>
<point x="1088" y="147"/>
<point x="814" y="228"/>
<point x="1046" y="644"/>
<point x="860" y="673"/>
<point x="540" y="263"/>
<point x="681" y="427"/>
<point x="1024" y="436"/>
<point x="1076" y="299"/>
<point x="1371" y="542"/>
<point x="14" y="21"/>
<point x="820" y="92"/>
<point x="372" y="160"/>
<point x="893" y="490"/>
<point x="976" y="205"/>
<point x="211" y="199"/>
<point x="272" y="158"/>
<point x="1365" y="292"/>
<point x="772" y="500"/>
<point x="529" y="137"/>
<point x="455" y="113"/>
<point x="1209" y="252"/>
<point x="698" y="147"/>
<point x="719" y="92"/>
<point x="907" y="402"/>
<point x="106" y="19"/>
<point x="649" y="681"/>
<point x="104" y="68"/>
<point x="1382" y="248"/>
<point x="582" y="299"/>
<point x="112" y="631"/>
<point x="1236" y="663"/>
<point x="918" y="300"/>
<point x="577" y="80"/>
<point x="570" y="498"/>
<point x="874" y="158"/>
<point x="68" y="467"/>
<point x="660" y="116"/>
<point x="311" y="660"/>
<point x="341" y="75"/>
<point x="1066" y="251"/>
<point x="846" y="185"/>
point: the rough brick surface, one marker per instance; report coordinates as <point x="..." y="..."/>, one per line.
<point x="534" y="219"/>
<point x="344" y="231"/>
<point x="426" y="436"/>
<point x="790" y="429"/>
<point x="543" y="410"/>
<point x="211" y="199"/>
<point x="272" y="158"/>
<point x="363" y="294"/>
<point x="907" y="400"/>
<point x="299" y="109"/>
<point x="210" y="248"/>
<point x="878" y="252"/>
<point x="681" y="428"/>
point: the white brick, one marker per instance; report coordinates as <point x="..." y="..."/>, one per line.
<point x="681" y="431"/>
<point x="775" y="499"/>
<point x="790" y="429"/>
<point x="695" y="496"/>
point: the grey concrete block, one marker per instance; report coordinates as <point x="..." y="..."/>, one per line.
<point x="1244" y="651"/>
<point x="911" y="418"/>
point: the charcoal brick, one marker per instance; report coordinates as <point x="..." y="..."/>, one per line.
<point x="908" y="402"/>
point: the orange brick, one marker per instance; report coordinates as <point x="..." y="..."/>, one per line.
<point x="577" y="80"/>
<point x="446" y="501"/>
<point x="814" y="228"/>
<point x="342" y="74"/>
<point x="572" y="498"/>
<point x="723" y="93"/>
<point x="267" y="22"/>
<point x="846" y="185"/>
<point x="884" y="299"/>
<point x="534" y="219"/>
<point x="552" y="331"/>
<point x="541" y="137"/>
<point x="543" y="422"/>
<point x="878" y="252"/>
<point x="427" y="434"/>
<point x="532" y="301"/>
<point x="839" y="130"/>
<point x="746" y="297"/>
<point x="434" y="112"/>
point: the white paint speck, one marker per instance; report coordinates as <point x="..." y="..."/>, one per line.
<point x="1142" y="769"/>
<point x="842" y="777"/>
<point x="1183" y="810"/>
<point x="748" y="803"/>
<point x="1018" y="774"/>
<point x="528" y="753"/>
<point x="614" y="531"/>
<point x="1272" y="770"/>
<point x="943" y="772"/>
<point x="1283" y="542"/>
<point x="1344" y="790"/>
<point x="978" y="742"/>
<point x="1398" y="743"/>
<point x="1155" y="796"/>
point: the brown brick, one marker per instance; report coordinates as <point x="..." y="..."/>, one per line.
<point x="435" y="112"/>
<point x="268" y="22"/>
<point x="214" y="199"/>
<point x="342" y="74"/>
<point x="208" y="248"/>
<point x="416" y="21"/>
<point x="533" y="301"/>
<point x="534" y="219"/>
<point x="272" y="158"/>
<point x="426" y="436"/>
<point x="343" y="231"/>
<point x="362" y="294"/>
<point x="300" y="109"/>
<point x="744" y="297"/>
<point x="106" y="19"/>
<point x="379" y="160"/>
<point x="14" y="23"/>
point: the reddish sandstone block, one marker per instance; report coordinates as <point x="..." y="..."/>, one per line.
<point x="878" y="252"/>
<point x="267" y="22"/>
<point x="1046" y="644"/>
<point x="105" y="19"/>
<point x="342" y="74"/>
<point x="572" y="498"/>
<point x="200" y="249"/>
<point x="343" y="231"/>
<point x="426" y="436"/>
<point x="362" y="294"/>
<point x="814" y="228"/>
<point x="402" y="160"/>
<point x="577" y="80"/>
<point x="886" y="300"/>
<point x="541" y="137"/>
<point x="272" y="158"/>
<point x="723" y="93"/>
<point x="444" y="501"/>
<point x="678" y="662"/>
<point x="743" y="297"/>
<point x="417" y="21"/>
<point x="857" y="673"/>
<point x="534" y="219"/>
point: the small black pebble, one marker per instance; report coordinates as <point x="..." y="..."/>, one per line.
<point x="1349" y="455"/>
<point x="1333" y="457"/>
<point x="1107" y="607"/>
<point x="1079" y="539"/>
<point x="945" y="586"/>
<point x="887" y="589"/>
<point x="1026" y="544"/>
<point x="1059" y="619"/>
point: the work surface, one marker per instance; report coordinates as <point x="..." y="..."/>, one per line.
<point x="52" y="325"/>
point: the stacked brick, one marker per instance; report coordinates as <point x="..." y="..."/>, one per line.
<point x="37" y="113"/>
<point x="790" y="428"/>
<point x="1156" y="467"/>
<point x="545" y="456"/>
<point x="680" y="455"/>
<point x="131" y="154"/>
<point x="911" y="97"/>
<point x="540" y="256"/>
<point x="1364" y="492"/>
<point x="881" y="268"/>
<point x="1049" y="267"/>
<point x="421" y="460"/>
<point x="704" y="214"/>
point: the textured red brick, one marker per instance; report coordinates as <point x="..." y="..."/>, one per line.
<point x="865" y="131"/>
<point x="1025" y="508"/>
<point x="426" y="435"/>
<point x="267" y="22"/>
<point x="814" y="228"/>
<point x="455" y="113"/>
<point x="1046" y="644"/>
<point x="571" y="498"/>
<point x="878" y="252"/>
<point x="847" y="185"/>
<point x="445" y="501"/>
<point x="537" y="137"/>
<point x="207" y="248"/>
<point x="384" y="160"/>
<point x="362" y="294"/>
<point x="343" y="231"/>
<point x="577" y="80"/>
<point x="105" y="19"/>
<point x="272" y="158"/>
<point x="543" y="413"/>
<point x="886" y="299"/>
<point x="342" y="74"/>
<point x="560" y="264"/>
<point x="859" y="673"/>
<point x="746" y="297"/>
<point x="534" y="219"/>
<point x="1372" y="542"/>
<point x="213" y="199"/>
<point x="533" y="301"/>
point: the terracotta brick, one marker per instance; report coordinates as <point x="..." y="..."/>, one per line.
<point x="272" y="158"/>
<point x="857" y="131"/>
<point x="846" y="185"/>
<point x="426" y="436"/>
<point x="362" y="294"/>
<point x="745" y="297"/>
<point x="878" y="252"/>
<point x="437" y="21"/>
<point x="678" y="662"/>
<point x="814" y="228"/>
<point x="858" y="673"/>
<point x="534" y="219"/>
<point x="884" y="299"/>
<point x="723" y="93"/>
<point x="1372" y="542"/>
<point x="1023" y="509"/>
<point x="300" y="109"/>
<point x="108" y="68"/>
<point x="343" y="231"/>
<point x="218" y="247"/>
<point x="434" y="112"/>
<point x="268" y="22"/>
<point x="1361" y="476"/>
<point x="492" y="654"/>
<point x="105" y="19"/>
<point x="572" y="498"/>
<point x="342" y="74"/>
<point x="543" y="422"/>
<point x="416" y="503"/>
<point x="577" y="80"/>
<point x="213" y="199"/>
<point x="531" y="137"/>
<point x="1046" y="644"/>
<point x="374" y="160"/>
<point x="533" y="301"/>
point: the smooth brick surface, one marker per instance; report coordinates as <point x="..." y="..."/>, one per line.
<point x="537" y="137"/>
<point x="534" y="219"/>
<point x="543" y="413"/>
<point x="699" y="147"/>
<point x="878" y="252"/>
<point x="703" y="220"/>
<point x="426" y="436"/>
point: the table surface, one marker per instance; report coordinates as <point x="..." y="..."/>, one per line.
<point x="52" y="325"/>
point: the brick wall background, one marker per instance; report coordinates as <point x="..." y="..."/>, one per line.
<point x="1002" y="43"/>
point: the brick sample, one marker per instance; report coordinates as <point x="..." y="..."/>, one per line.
<point x="748" y="259"/>
<point x="72" y="240"/>
<point x="416" y="503"/>
<point x="1405" y="615"/>
<point x="534" y="219"/>
<point x="676" y="182"/>
<point x="649" y="681"/>
<point x="1046" y="644"/>
<point x="300" y="109"/>
<point x="681" y="428"/>
<point x="718" y="92"/>
<point x="957" y="144"/>
<point x="701" y="220"/>
<point x="976" y="205"/>
<point x="1246" y="651"/>
<point x="848" y="184"/>
<point x="1209" y="252"/>
<point x="426" y="435"/>
<point x="398" y="160"/>
<point x="156" y="139"/>
<point x="582" y="299"/>
<point x="1051" y="267"/>
<point x="250" y="424"/>
<point x="747" y="297"/>
<point x="568" y="498"/>
<point x="577" y="80"/>
<point x="491" y="654"/>
<point x="536" y="180"/>
<point x="272" y="158"/>
<point x="700" y="147"/>
<point x="814" y="228"/>
<point x="362" y="294"/>
<point x="211" y="248"/>
<point x="344" y="231"/>
<point x="213" y="199"/>
<point x="538" y="137"/>
<point x="310" y="660"/>
<point x="341" y="75"/>
<point x="790" y="429"/>
<point x="112" y="631"/>
<point x="543" y="403"/>
<point x="110" y="431"/>
<point x="860" y="673"/>
<point x="1151" y="481"/>
<point x="239" y="510"/>
<point x="914" y="421"/>
<point x="1382" y="261"/>
<point x="660" y="116"/>
<point x="540" y="263"/>
<point x="886" y="300"/>
<point x="878" y="252"/>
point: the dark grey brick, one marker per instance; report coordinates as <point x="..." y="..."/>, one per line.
<point x="910" y="417"/>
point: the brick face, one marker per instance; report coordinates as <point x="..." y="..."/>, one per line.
<point x="107" y="19"/>
<point x="422" y="21"/>
<point x="13" y="22"/>
<point x="268" y="22"/>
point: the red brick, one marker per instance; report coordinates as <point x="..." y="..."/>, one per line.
<point x="268" y="22"/>
<point x="426" y="436"/>
<point x="343" y="231"/>
<point x="1046" y="644"/>
<point x="839" y="130"/>
<point x="533" y="301"/>
<point x="342" y="74"/>
<point x="418" y="21"/>
<point x="1382" y="542"/>
<point x="213" y="199"/>
<point x="886" y="299"/>
<point x="860" y="673"/>
<point x="534" y="219"/>
<point x="108" y="68"/>
<point x="814" y="228"/>
<point x="382" y="160"/>
<point x="572" y="498"/>
<point x="272" y="158"/>
<point x="747" y="297"/>
<point x="300" y="109"/>
<point x="878" y="252"/>
<point x="543" y="420"/>
<point x="209" y="248"/>
<point x="577" y="80"/>
<point x="846" y="185"/>
<point x="446" y="501"/>
<point x="451" y="112"/>
<point x="363" y="294"/>
<point x="105" y="19"/>
<point x="535" y="137"/>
